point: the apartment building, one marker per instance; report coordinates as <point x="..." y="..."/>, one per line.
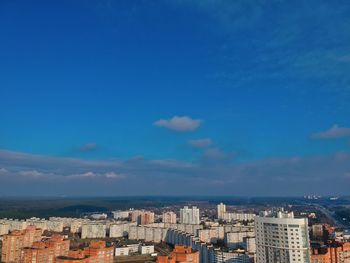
<point x="281" y="238"/>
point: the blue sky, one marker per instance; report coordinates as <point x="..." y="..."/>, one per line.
<point x="134" y="92"/>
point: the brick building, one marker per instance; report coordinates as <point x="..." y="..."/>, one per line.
<point x="335" y="253"/>
<point x="46" y="251"/>
<point x="142" y="217"/>
<point x="97" y="252"/>
<point x="180" y="254"/>
<point x="13" y="243"/>
<point x="320" y="255"/>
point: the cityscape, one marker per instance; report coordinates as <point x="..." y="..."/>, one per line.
<point x="309" y="229"/>
<point x="175" y="131"/>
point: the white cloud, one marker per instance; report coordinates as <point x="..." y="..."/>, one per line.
<point x="200" y="143"/>
<point x="87" y="174"/>
<point x="179" y="123"/>
<point x="302" y="174"/>
<point x="332" y="133"/>
<point x="32" y="173"/>
<point x="3" y="171"/>
<point x="114" y="175"/>
<point x="90" y="174"/>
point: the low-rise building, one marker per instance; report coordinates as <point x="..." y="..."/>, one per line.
<point x="121" y="251"/>
<point x="98" y="216"/>
<point x="119" y="214"/>
<point x="133" y="248"/>
<point x="146" y="249"/>
<point x="96" y="252"/>
<point x="180" y="254"/>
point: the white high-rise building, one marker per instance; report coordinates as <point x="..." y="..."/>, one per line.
<point x="281" y="238"/>
<point x="189" y="215"/>
<point x="221" y="210"/>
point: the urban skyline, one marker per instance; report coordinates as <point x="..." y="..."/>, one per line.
<point x="304" y="233"/>
<point x="235" y="98"/>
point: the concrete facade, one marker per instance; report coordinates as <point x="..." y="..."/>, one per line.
<point x="189" y="215"/>
<point x="93" y="230"/>
<point x="282" y="238"/>
<point x="169" y="217"/>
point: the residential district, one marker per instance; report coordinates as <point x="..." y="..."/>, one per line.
<point x="275" y="235"/>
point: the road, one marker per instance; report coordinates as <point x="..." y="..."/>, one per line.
<point x="332" y="217"/>
<point x="161" y="250"/>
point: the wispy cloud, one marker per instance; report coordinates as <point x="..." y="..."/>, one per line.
<point x="217" y="154"/>
<point x="201" y="143"/>
<point x="334" y="132"/>
<point x="52" y="175"/>
<point x="228" y="14"/>
<point x="32" y="173"/>
<point x="111" y="175"/>
<point x="89" y="147"/>
<point x="179" y="123"/>
<point x="294" y="49"/>
<point x="3" y="170"/>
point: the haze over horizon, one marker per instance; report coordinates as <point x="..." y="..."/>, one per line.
<point x="174" y="97"/>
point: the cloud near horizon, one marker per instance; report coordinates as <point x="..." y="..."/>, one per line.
<point x="179" y="123"/>
<point x="201" y="143"/>
<point x="334" y="132"/>
<point x="88" y="147"/>
<point x="29" y="174"/>
<point x="217" y="154"/>
<point x="112" y="175"/>
<point x="32" y="173"/>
